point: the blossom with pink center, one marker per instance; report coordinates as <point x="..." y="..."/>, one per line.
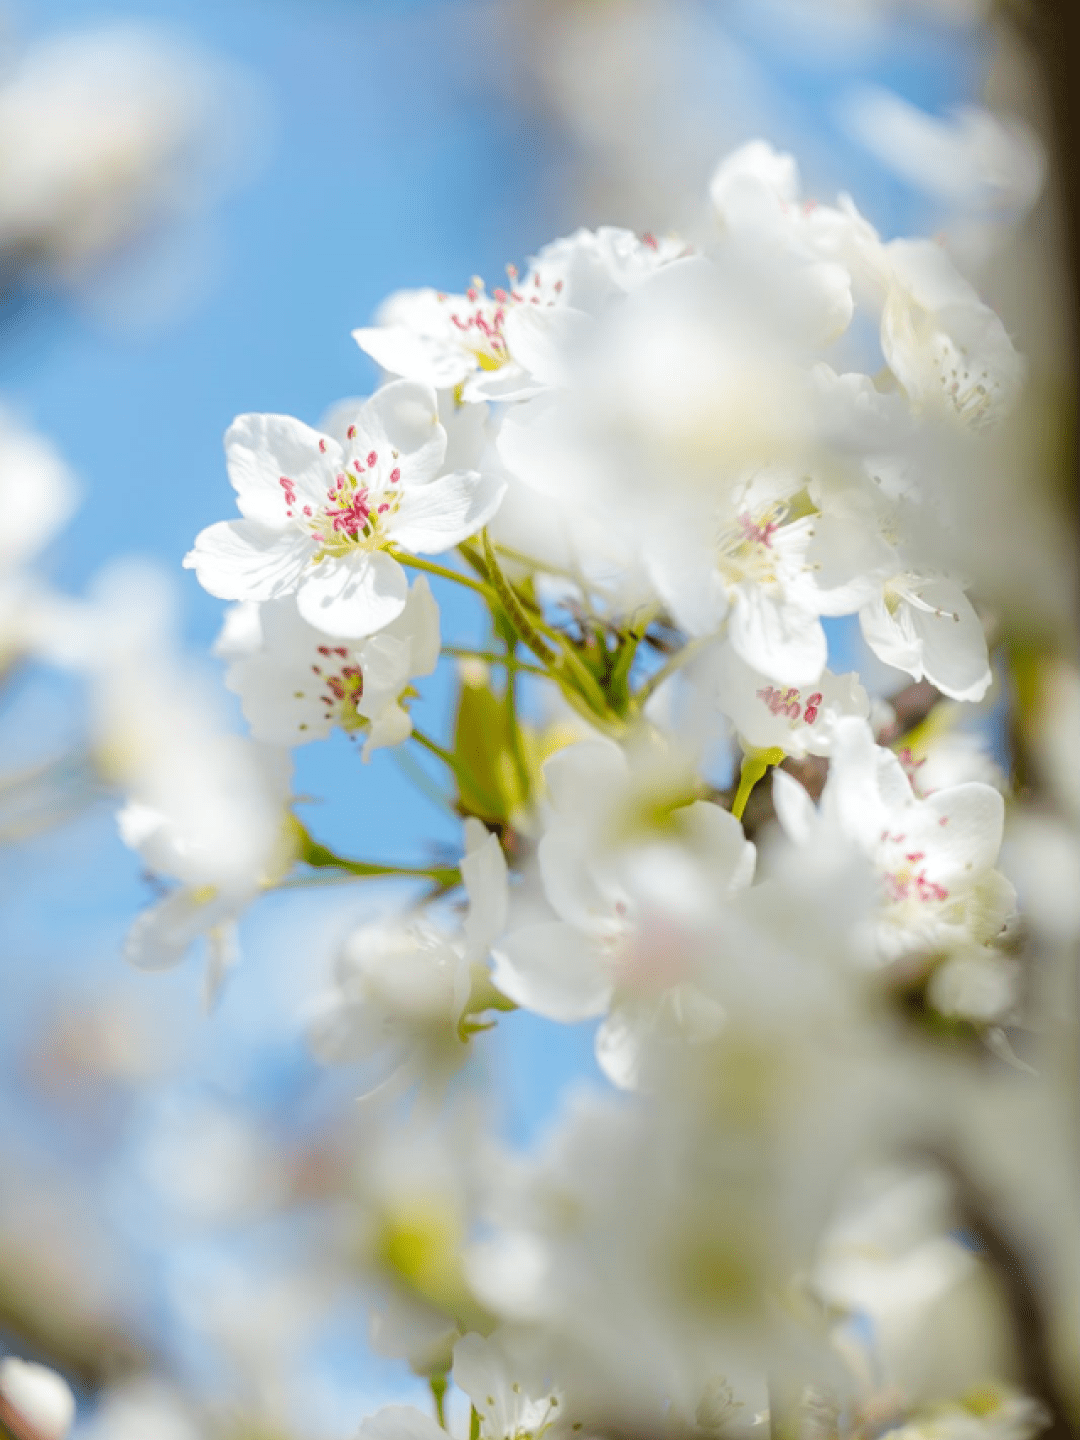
<point x="296" y="685"/>
<point x="321" y="518"/>
<point x="510" y="343"/>
<point x="796" y="719"/>
<point x="934" y="858"/>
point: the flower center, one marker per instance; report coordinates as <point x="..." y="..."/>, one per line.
<point x="905" y="877"/>
<point x="342" y="683"/>
<point x="748" y="549"/>
<point x="480" y="321"/>
<point x="789" y="703"/>
<point x="359" y="501"/>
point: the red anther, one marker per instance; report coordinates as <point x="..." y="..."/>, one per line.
<point x="944" y="820"/>
<point x="307" y="510"/>
<point x="815" y="699"/>
<point x="650" y="240"/>
<point x="383" y="509"/>
<point x="324" y="649"/>
<point x="322" y="446"/>
<point x="472" y="295"/>
<point x="395" y="476"/>
<point x="916" y="856"/>
<point x="316" y="670"/>
<point x="558" y="287"/>
<point x="810" y="714"/>
<point x="500" y="295"/>
<point x="340" y="650"/>
<point x="372" y="458"/>
<point x="352" y="432"/>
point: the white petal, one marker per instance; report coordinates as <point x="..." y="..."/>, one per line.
<point x="418" y="625"/>
<point x="720" y="838"/>
<point x="954" y="653"/>
<point x="404" y="417"/>
<point x="400" y="1422"/>
<point x="161" y="936"/>
<point x="41" y="1396"/>
<point x="245" y="560"/>
<point x="961" y="830"/>
<point x="784" y="641"/>
<point x="354" y="596"/>
<point x="553" y="970"/>
<point x="542" y="338"/>
<point x="483" y="870"/>
<point x="428" y="359"/>
<point x="584" y="774"/>
<point x="794" y="809"/>
<point x="436" y="517"/>
<point x="261" y="449"/>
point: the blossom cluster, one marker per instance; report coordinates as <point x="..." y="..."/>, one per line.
<point x="675" y="473"/>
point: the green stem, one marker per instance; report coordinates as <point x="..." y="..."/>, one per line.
<point x="438" y="1385"/>
<point x="320" y="857"/>
<point x="513" y="724"/>
<point x="474" y="1424"/>
<point x="754" y="767"/>
<point x="491" y="657"/>
<point x="525" y="626"/>
<point x="575" y="679"/>
<point x="430" y="567"/>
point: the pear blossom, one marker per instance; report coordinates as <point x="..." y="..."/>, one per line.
<point x="401" y="985"/>
<point x="945" y="346"/>
<point x="508" y="345"/>
<point x="321" y="519"/>
<point x="295" y="687"/>
<point x="798" y="721"/>
<point x="503" y="1377"/>
<point x="933" y="858"/>
<point x="627" y="909"/>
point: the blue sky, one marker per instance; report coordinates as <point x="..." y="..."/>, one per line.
<point x="386" y="163"/>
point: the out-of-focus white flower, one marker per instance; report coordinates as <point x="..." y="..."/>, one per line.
<point x="991" y="1412"/>
<point x="626" y="904"/>
<point x="37" y="495"/>
<point x="143" y="1410"/>
<point x="504" y="1377"/>
<point x="205" y="808"/>
<point x="934" y="858"/>
<point x="39" y="1396"/>
<point x="902" y="1282"/>
<point x="976" y="160"/>
<point x="295" y="686"/>
<point x="945" y="346"/>
<point x="107" y="134"/>
<point x="320" y="519"/>
<point x="401" y="985"/>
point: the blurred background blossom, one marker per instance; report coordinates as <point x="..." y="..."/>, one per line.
<point x="198" y="201"/>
